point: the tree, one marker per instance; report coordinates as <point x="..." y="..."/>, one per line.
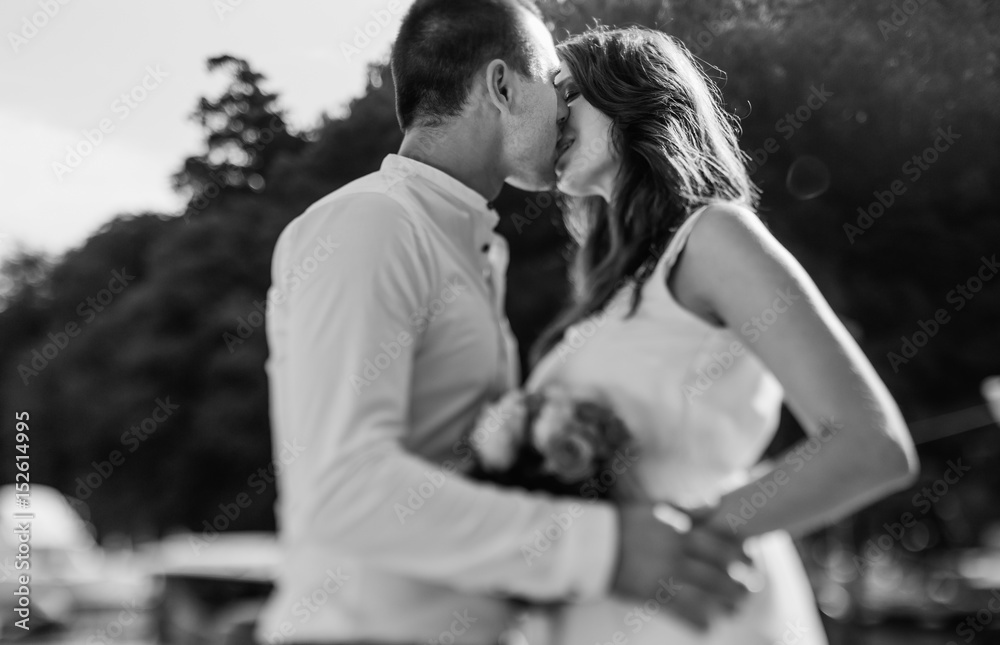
<point x="246" y="135"/>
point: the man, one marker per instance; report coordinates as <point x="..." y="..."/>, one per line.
<point x="388" y="336"/>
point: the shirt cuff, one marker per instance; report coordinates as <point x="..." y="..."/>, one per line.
<point x="592" y="553"/>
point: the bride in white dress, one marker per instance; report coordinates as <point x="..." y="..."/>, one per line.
<point x="694" y="323"/>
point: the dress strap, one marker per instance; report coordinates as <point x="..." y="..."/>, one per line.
<point x="675" y="246"/>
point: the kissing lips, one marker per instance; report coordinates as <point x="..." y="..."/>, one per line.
<point x="563" y="147"/>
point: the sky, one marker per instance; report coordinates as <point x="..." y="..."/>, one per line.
<point x="95" y="96"/>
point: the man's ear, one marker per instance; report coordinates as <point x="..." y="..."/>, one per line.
<point x="500" y="85"/>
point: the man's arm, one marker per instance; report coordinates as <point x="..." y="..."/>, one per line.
<point x="355" y="473"/>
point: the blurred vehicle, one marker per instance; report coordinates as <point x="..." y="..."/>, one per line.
<point x="68" y="572"/>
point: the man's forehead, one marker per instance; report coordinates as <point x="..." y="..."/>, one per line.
<point x="550" y="61"/>
<point x="545" y="47"/>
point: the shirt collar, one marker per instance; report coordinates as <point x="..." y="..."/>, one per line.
<point x="477" y="209"/>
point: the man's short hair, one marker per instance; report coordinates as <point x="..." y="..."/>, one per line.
<point x="443" y="43"/>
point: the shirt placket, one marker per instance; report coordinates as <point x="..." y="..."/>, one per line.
<point x="504" y="378"/>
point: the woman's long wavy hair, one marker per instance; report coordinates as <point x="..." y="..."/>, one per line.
<point x="678" y="151"/>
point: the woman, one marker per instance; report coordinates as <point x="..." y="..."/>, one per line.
<point x="693" y="322"/>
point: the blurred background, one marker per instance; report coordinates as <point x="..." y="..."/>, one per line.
<point x="153" y="153"/>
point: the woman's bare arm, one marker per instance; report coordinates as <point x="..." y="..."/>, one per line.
<point x="859" y="448"/>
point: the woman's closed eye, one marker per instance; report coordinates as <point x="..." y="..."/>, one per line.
<point x="568" y="88"/>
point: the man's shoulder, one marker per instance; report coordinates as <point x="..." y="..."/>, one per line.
<point x="368" y="205"/>
<point x="372" y="192"/>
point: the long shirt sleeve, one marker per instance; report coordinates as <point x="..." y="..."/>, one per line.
<point x="384" y="346"/>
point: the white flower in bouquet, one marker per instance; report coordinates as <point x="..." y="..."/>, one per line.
<point x="499" y="431"/>
<point x="555" y="414"/>
<point x="549" y="441"/>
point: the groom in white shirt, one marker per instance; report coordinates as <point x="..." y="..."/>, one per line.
<point x="387" y="336"/>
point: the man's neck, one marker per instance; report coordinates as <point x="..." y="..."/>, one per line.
<point x="456" y="151"/>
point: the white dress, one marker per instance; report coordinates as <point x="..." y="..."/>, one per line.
<point x="702" y="408"/>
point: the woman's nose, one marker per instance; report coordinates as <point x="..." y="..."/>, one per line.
<point x="562" y="111"/>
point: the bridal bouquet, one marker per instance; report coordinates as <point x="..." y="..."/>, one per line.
<point x="550" y="442"/>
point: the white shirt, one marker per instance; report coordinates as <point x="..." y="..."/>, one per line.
<point x="387" y="336"/>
